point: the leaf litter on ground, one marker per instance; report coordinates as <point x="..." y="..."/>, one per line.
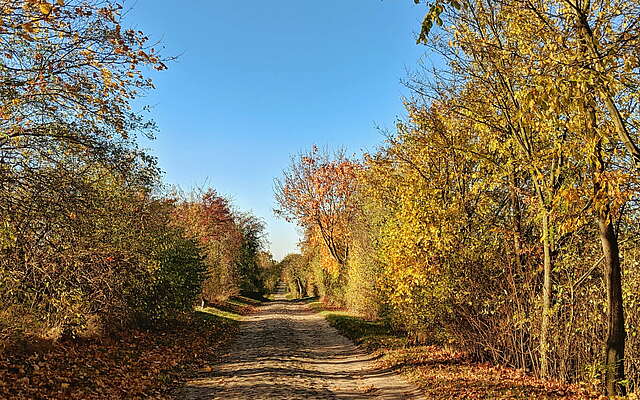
<point x="133" y="364"/>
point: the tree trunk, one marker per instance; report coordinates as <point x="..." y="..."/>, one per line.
<point x="300" y="289"/>
<point x="546" y="298"/>
<point x="516" y="221"/>
<point x="616" y="334"/>
<point x="514" y="278"/>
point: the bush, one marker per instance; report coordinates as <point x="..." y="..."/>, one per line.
<point x="175" y="285"/>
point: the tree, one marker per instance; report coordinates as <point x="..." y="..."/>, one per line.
<point x="230" y="241"/>
<point x="208" y="219"/>
<point x="583" y="75"/>
<point x="250" y="253"/>
<point x="68" y="74"/>
<point x="295" y="273"/>
<point x="316" y="192"/>
<point x="498" y="90"/>
<point x="601" y="41"/>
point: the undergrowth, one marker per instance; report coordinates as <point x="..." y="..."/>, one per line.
<point x="444" y="373"/>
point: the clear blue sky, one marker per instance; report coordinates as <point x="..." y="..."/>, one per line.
<point x="259" y="80"/>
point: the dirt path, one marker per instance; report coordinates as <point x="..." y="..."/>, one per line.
<point x="287" y="351"/>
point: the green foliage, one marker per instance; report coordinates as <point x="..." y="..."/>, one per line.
<point x="271" y="271"/>
<point x="175" y="285"/>
<point x="296" y="274"/>
<point x="250" y="270"/>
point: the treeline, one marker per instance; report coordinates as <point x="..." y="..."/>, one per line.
<point x="501" y="217"/>
<point x="90" y="240"/>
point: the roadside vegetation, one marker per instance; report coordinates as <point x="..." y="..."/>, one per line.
<point x="493" y="234"/>
<point x="101" y="264"/>
<point x="441" y="372"/>
<point x="500" y="216"/>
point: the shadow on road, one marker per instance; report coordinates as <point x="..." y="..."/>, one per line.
<point x="287" y="351"/>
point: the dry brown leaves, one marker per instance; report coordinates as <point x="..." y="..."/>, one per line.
<point x="138" y="364"/>
<point x="447" y="375"/>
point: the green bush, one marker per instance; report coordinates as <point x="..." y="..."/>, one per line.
<point x="176" y="284"/>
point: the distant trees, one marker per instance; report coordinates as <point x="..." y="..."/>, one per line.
<point x="231" y="242"/>
<point x="293" y="272"/>
<point x="269" y="270"/>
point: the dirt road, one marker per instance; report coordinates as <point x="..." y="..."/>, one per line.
<point x="287" y="351"/>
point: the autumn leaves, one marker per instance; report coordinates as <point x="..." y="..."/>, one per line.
<point x="91" y="241"/>
<point x="493" y="216"/>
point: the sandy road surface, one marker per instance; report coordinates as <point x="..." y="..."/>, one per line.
<point x="287" y="351"/>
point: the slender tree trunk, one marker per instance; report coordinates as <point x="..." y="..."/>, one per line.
<point x="516" y="220"/>
<point x="300" y="289"/>
<point x="546" y="297"/>
<point x="616" y="335"/>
